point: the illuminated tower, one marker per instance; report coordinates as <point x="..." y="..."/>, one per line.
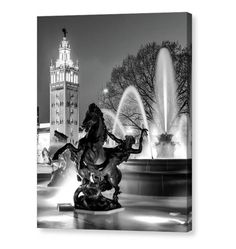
<point x="64" y="94"/>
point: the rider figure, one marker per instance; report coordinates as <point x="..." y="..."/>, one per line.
<point x="116" y="156"/>
<point x="124" y="147"/>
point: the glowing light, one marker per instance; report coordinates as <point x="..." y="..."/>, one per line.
<point x="165" y="99"/>
<point x="158" y="220"/>
<point x="105" y="91"/>
<point x="55" y="218"/>
<point x="129" y="130"/>
<point x="66" y="191"/>
<point x="44" y="125"/>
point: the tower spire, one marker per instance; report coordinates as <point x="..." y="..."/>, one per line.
<point x="64" y="52"/>
<point x="64" y="32"/>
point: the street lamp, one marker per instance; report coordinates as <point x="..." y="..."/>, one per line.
<point x="105" y="90"/>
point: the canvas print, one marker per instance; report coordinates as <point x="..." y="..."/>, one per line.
<point x="114" y="122"/>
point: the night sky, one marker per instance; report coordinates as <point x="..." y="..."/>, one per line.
<point x="99" y="43"/>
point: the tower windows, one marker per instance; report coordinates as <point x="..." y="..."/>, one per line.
<point x="75" y="78"/>
<point x="71" y="77"/>
<point x="68" y="77"/>
<point x="53" y="77"/>
<point x="57" y="79"/>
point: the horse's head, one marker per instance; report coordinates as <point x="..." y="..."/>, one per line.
<point x="94" y="122"/>
<point x="91" y="117"/>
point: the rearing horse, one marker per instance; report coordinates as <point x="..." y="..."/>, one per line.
<point x="91" y="146"/>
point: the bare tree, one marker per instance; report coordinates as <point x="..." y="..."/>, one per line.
<point x="139" y="71"/>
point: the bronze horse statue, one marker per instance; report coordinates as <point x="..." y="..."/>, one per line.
<point x="90" y="148"/>
<point x="96" y="165"/>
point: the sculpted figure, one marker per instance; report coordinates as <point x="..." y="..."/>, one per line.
<point x="96" y="165"/>
<point x="116" y="156"/>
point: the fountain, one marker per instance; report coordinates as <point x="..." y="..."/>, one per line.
<point x="132" y="91"/>
<point x="166" y="103"/>
<point x="164" y="167"/>
<point x="166" y="137"/>
<point x="116" y="121"/>
<point x="167" y="155"/>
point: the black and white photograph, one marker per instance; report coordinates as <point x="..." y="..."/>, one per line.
<point x="114" y="122"/>
<point x="117" y="124"/>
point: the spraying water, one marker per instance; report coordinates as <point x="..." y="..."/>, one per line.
<point x="110" y="114"/>
<point x="132" y="91"/>
<point x="167" y="136"/>
<point x="165" y="90"/>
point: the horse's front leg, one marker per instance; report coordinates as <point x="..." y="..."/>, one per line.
<point x="62" y="149"/>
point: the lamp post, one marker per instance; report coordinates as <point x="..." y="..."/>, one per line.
<point x="105" y="90"/>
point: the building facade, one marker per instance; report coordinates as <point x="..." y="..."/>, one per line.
<point x="64" y="95"/>
<point x="43" y="141"/>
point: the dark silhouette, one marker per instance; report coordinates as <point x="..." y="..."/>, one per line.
<point x="96" y="165"/>
<point x="64" y="32"/>
<point x="116" y="156"/>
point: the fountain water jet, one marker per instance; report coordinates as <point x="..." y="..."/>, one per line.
<point x="132" y="91"/>
<point x="166" y="103"/>
<point x="165" y="90"/>
<point x="113" y="116"/>
<point x="167" y="136"/>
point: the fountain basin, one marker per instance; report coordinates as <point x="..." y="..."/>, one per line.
<point x="157" y="177"/>
<point x="151" y="177"/>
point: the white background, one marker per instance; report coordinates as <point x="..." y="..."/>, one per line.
<point x="214" y="87"/>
